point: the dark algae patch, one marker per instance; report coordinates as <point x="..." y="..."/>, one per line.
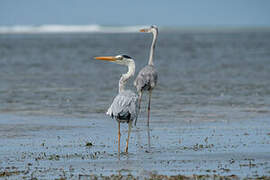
<point x="166" y="177"/>
<point x="88" y="144"/>
<point x="10" y="173"/>
<point x="54" y="157"/>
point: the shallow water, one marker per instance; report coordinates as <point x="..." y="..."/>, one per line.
<point x="222" y="74"/>
<point x="210" y="110"/>
<point x="52" y="147"/>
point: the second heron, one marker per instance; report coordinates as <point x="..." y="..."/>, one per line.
<point x="147" y="77"/>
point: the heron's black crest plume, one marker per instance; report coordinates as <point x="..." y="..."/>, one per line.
<point x="126" y="56"/>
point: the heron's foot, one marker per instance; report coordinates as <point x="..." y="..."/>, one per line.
<point x="147" y="151"/>
<point x="135" y="123"/>
<point x="126" y="149"/>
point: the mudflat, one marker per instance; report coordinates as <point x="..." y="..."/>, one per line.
<point x="48" y="147"/>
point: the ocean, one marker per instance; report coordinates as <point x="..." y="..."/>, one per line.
<point x="224" y="74"/>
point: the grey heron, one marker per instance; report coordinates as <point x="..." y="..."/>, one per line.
<point x="147" y="77"/>
<point x="124" y="107"/>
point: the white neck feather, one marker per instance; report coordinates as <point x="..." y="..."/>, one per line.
<point x="151" y="57"/>
<point x="124" y="78"/>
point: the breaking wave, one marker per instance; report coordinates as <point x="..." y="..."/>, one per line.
<point x="21" y="29"/>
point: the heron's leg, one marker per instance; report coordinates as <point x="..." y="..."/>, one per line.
<point x="139" y="107"/>
<point x="140" y="99"/>
<point x="148" y="133"/>
<point x="129" y="130"/>
<point x="149" y="104"/>
<point x="119" y="136"/>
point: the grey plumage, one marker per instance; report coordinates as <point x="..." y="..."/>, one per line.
<point x="146" y="79"/>
<point x="124" y="107"/>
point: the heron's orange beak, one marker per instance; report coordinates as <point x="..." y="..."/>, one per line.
<point x="142" y="30"/>
<point x="106" y="58"/>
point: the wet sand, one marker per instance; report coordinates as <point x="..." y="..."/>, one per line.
<point x="48" y="147"/>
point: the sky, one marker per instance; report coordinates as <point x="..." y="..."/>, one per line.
<point x="136" y="12"/>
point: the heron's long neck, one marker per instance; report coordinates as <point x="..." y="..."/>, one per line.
<point x="124" y="78"/>
<point x="150" y="62"/>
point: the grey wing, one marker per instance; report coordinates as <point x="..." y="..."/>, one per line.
<point x="124" y="103"/>
<point x="146" y="79"/>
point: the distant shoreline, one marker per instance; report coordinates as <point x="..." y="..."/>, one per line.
<point x="51" y="29"/>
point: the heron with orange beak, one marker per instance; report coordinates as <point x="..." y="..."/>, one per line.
<point x="124" y="107"/>
<point x="147" y="77"/>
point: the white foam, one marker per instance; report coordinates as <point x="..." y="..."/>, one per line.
<point x="29" y="29"/>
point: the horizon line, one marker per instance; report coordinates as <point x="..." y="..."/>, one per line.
<point x="95" y="28"/>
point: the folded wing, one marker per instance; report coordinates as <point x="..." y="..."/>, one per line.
<point x="124" y="107"/>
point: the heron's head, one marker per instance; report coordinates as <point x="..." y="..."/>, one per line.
<point x="119" y="59"/>
<point x="151" y="29"/>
